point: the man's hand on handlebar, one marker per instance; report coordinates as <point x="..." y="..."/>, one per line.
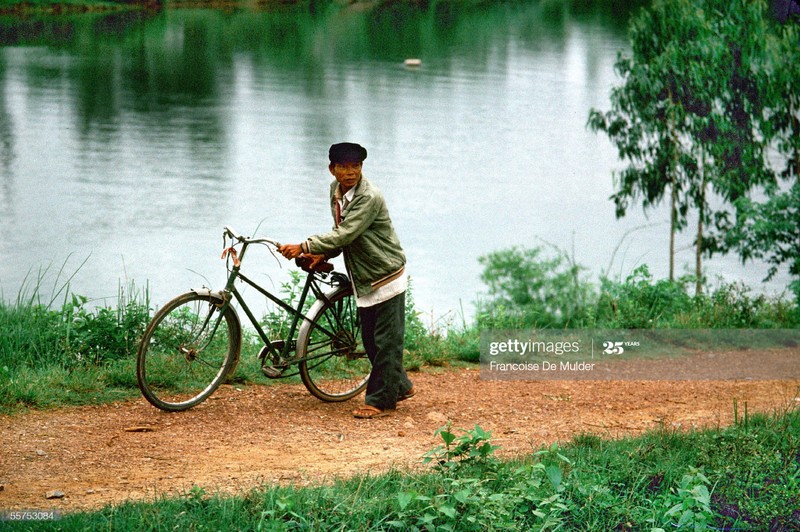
<point x="290" y="251"/>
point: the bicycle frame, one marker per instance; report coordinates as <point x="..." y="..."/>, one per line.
<point x="178" y="365"/>
<point x="311" y="285"/>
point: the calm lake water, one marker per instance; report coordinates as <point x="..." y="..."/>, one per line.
<point x="128" y="142"/>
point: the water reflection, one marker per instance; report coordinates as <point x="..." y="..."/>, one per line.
<point x="6" y="148"/>
<point x="159" y="128"/>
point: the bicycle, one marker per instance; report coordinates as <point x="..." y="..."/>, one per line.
<point x="192" y="344"/>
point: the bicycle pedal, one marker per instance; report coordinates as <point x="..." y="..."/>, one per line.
<point x="271" y="353"/>
<point x="272" y="372"/>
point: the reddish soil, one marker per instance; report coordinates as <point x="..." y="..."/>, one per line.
<point x="241" y="438"/>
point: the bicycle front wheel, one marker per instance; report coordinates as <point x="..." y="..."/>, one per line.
<point x="188" y="349"/>
<point x="333" y="362"/>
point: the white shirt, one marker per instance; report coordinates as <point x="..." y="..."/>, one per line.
<point x="383" y="293"/>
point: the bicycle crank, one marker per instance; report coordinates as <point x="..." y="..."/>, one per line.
<point x="271" y="352"/>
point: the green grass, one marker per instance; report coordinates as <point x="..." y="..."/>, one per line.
<point x="745" y="477"/>
<point x="62" y="349"/>
<point x="69" y="355"/>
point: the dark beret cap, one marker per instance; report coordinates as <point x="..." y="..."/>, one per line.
<point x="347" y="152"/>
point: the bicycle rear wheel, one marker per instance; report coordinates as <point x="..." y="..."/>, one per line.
<point x="334" y="365"/>
<point x="186" y="352"/>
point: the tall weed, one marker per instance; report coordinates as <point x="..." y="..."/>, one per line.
<point x="529" y="290"/>
<point x="78" y="353"/>
<point x="640" y="302"/>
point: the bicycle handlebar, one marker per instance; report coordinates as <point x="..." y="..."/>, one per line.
<point x="323" y="267"/>
<point x="229" y="231"/>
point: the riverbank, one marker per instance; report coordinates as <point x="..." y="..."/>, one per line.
<point x="263" y="442"/>
<point x="70" y="7"/>
<point x="27" y="8"/>
<point x="63" y="349"/>
<point x="62" y="7"/>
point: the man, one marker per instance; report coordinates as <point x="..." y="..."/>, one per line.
<point x="375" y="262"/>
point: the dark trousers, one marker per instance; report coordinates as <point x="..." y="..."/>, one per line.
<point x="383" y="332"/>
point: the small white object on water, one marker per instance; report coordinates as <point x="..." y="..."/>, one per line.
<point x="412" y="62"/>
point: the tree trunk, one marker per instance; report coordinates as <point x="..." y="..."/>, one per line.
<point x="674" y="192"/>
<point x="698" y="257"/>
<point x="672" y="216"/>
<point x="795" y="167"/>
<point x="699" y="251"/>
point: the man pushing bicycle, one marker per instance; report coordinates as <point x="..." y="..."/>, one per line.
<point x="375" y="262"/>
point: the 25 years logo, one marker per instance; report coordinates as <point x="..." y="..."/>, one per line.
<point x="613" y="348"/>
<point x="617" y="348"/>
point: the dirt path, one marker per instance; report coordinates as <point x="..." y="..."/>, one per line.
<point x="241" y="438"/>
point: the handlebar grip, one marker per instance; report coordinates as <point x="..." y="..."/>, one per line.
<point x="228" y="230"/>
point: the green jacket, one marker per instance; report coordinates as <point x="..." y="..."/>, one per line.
<point x="372" y="252"/>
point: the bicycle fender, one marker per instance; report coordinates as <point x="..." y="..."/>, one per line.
<point x="307" y="325"/>
<point x="218" y="296"/>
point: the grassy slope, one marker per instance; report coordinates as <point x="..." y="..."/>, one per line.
<point x="746" y="477"/>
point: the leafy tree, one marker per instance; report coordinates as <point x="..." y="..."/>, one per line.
<point x="768" y="228"/>
<point x="771" y="231"/>
<point x="730" y="138"/>
<point x="664" y="87"/>
<point x="690" y="116"/>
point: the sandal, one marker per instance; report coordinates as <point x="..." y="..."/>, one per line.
<point x="369" y="412"/>
<point x="408" y="395"/>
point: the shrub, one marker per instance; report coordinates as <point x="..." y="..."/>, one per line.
<point x="527" y="289"/>
<point x="639" y="302"/>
